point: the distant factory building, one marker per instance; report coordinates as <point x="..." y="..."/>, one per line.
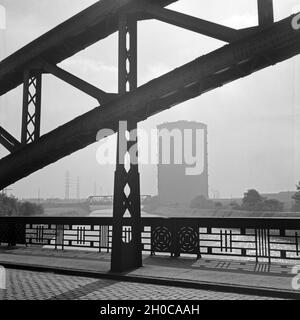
<point x="183" y="162"/>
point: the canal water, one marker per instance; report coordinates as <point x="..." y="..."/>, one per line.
<point x="109" y="213"/>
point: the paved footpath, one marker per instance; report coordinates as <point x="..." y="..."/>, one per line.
<point x="240" y="277"/>
<point x="31" y="285"/>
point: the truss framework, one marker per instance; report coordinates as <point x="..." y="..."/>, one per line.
<point x="248" y="50"/>
<point x="32" y="95"/>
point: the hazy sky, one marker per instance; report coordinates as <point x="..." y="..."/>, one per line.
<point x="253" y="124"/>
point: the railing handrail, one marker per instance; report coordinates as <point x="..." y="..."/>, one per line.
<point x="57" y="220"/>
<point x="278" y="222"/>
<point x="254" y="238"/>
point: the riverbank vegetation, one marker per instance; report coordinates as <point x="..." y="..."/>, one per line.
<point x="11" y="207"/>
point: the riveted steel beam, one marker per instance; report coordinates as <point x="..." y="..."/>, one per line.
<point x="8" y="141"/>
<point x="191" y="23"/>
<point x="72" y="36"/>
<point x="265" y="48"/>
<point x="78" y="83"/>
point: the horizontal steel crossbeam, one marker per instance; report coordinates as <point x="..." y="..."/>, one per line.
<point x="239" y="59"/>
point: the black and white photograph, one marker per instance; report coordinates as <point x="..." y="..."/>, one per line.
<point x="149" y="155"/>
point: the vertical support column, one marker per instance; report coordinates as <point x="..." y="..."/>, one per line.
<point x="31" y="119"/>
<point x="265" y="12"/>
<point x="126" y="242"/>
<point x="206" y="175"/>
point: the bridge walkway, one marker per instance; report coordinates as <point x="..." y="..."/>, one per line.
<point x="230" y="276"/>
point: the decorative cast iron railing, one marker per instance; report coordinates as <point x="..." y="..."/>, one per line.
<point x="58" y="233"/>
<point x="271" y="239"/>
<point x="260" y="239"/>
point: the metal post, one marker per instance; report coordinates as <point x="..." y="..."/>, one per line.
<point x="265" y="12"/>
<point x="126" y="242"/>
<point x="31" y="119"/>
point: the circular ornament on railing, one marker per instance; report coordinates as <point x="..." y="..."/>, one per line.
<point x="188" y="240"/>
<point x="161" y="239"/>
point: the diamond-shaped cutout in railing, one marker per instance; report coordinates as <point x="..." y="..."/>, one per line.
<point x="127" y="66"/>
<point x="127" y="161"/>
<point x="127" y="41"/>
<point x="127" y="190"/>
<point x="32" y="89"/>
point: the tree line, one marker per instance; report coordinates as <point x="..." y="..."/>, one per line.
<point x="10" y="207"/>
<point x="252" y="201"/>
<point x="296" y="198"/>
